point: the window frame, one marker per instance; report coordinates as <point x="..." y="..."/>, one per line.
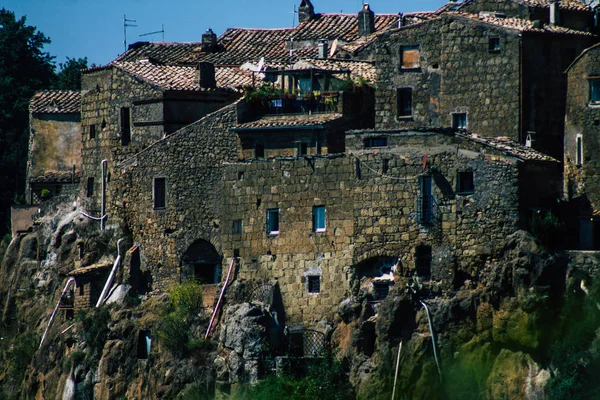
<point x="90" y="187"/>
<point x="411" y="67"/>
<point x="423" y="258"/>
<point x="401" y="103"/>
<point x="594" y="90"/>
<point x="425" y="201"/>
<point x="579" y="150"/>
<point x="93" y="131"/>
<point x="302" y="149"/>
<point x="460" y="182"/>
<point x="316" y="213"/>
<point x="457" y="117"/>
<point x="155" y="197"/>
<point x="311" y="281"/>
<point x="237" y="225"/>
<point x="494" y="45"/>
<point x="125" y="117"/>
<point x="370" y="142"/>
<point x="271" y="212"/>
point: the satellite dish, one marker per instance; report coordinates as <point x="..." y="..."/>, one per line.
<point x="333" y="48"/>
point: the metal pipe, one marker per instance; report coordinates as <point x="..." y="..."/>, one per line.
<point x="103" y="212"/>
<point x="437" y="362"/>
<point x="71" y="280"/>
<point x="111" y="276"/>
<point x="216" y="310"/>
<point x="397" y="368"/>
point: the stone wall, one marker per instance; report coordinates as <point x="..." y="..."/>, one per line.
<point x="189" y="161"/>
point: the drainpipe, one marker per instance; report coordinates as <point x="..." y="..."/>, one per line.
<point x="103" y="212"/>
<point x="111" y="276"/>
<point x="69" y="282"/>
<point x="437" y="361"/>
<point x="216" y="310"/>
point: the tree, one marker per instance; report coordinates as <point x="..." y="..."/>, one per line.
<point x="69" y="76"/>
<point x="24" y="69"/>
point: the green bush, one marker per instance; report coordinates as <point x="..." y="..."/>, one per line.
<point x="45" y="194"/>
<point x="94" y="329"/>
<point x="21" y="354"/>
<point x="546" y="227"/>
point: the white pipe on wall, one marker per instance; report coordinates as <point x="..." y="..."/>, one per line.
<point x="111" y="276"/>
<point x="71" y="280"/>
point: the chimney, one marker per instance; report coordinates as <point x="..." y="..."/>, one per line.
<point x="205" y="75"/>
<point x="400" y="19"/>
<point x="366" y="21"/>
<point x="306" y="11"/>
<point x="554" y="12"/>
<point x="322" y="49"/>
<point x="209" y="41"/>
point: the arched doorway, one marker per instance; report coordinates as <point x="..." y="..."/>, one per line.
<point x="202" y="262"/>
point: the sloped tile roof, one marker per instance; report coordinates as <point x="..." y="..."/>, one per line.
<point x="519" y="24"/>
<point x="339" y="26"/>
<point x="356" y="69"/>
<point x="282" y="121"/>
<point x="89" y="269"/>
<point x="183" y="78"/>
<point x="509" y="147"/>
<point x="159" y="53"/>
<point x="55" y="102"/>
<point x="572" y="5"/>
<point x="56" y="177"/>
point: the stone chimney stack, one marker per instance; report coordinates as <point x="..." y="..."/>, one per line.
<point x="306" y="11"/>
<point x="366" y="21"/>
<point x="205" y="75"/>
<point x="322" y="49"/>
<point x="209" y="41"/>
<point x="554" y="12"/>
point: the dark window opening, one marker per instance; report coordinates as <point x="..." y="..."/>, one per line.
<point x="236" y="253"/>
<point x="358" y="170"/>
<point x="579" y="159"/>
<point x="423" y="261"/>
<point x="494" y="45"/>
<point x="81" y="290"/>
<point x="381" y="289"/>
<point x="594" y="84"/>
<point x="236" y="227"/>
<point x="459" y="121"/>
<point x="259" y="150"/>
<point x="385" y="166"/>
<point x="92" y="131"/>
<point x="314" y="284"/>
<point x="425" y="201"/>
<point x="160" y="192"/>
<point x="404" y="102"/>
<point x="125" y="126"/>
<point x="240" y="175"/>
<point x="273" y="221"/>
<point x="409" y="57"/>
<point x="319" y="218"/>
<point x="302" y="149"/>
<point x="207" y="273"/>
<point x="90" y="187"/>
<point x="465" y="183"/>
<point x="380" y="141"/>
<point x="144" y="343"/>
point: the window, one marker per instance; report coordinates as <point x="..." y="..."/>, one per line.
<point x="314" y="283"/>
<point x="409" y="57"/>
<point x="259" y="150"/>
<point x="594" y="90"/>
<point x="92" y="131"/>
<point x="465" y="183"/>
<point x="90" y="187"/>
<point x="404" y="100"/>
<point x="125" y="126"/>
<point x="302" y="149"/>
<point x="459" y="121"/>
<point x="376" y="141"/>
<point x="273" y="221"/>
<point x="160" y="192"/>
<point x="579" y="149"/>
<point x="423" y="261"/>
<point x="381" y="289"/>
<point x="236" y="227"/>
<point x="81" y="290"/>
<point x="425" y="201"/>
<point x="144" y="344"/>
<point x="319" y="218"/>
<point x="494" y="45"/>
<point x="385" y="166"/>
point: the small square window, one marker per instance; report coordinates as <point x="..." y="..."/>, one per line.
<point x="302" y="149"/>
<point x="273" y="221"/>
<point x="376" y="142"/>
<point x="423" y="261"/>
<point x="594" y="90"/>
<point x="259" y="150"/>
<point x="459" y="121"/>
<point x="160" y="193"/>
<point x="404" y="100"/>
<point x="92" y="131"/>
<point x="494" y="45"/>
<point x="236" y="227"/>
<point x="314" y="284"/>
<point x="465" y="183"/>
<point x="90" y="187"/>
<point x="319" y="218"/>
<point x="409" y="56"/>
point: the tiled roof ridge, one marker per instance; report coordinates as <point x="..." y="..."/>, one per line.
<point x="55" y="102"/>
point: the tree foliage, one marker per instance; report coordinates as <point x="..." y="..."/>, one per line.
<point x="24" y="69"/>
<point x="69" y="74"/>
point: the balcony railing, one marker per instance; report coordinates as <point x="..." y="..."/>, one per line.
<point x="314" y="103"/>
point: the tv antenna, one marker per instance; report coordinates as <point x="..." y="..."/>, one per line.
<point x="126" y="24"/>
<point x="162" y="30"/>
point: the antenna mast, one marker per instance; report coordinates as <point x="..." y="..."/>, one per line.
<point x="162" y="30"/>
<point x="126" y="24"/>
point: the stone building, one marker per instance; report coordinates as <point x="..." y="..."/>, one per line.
<point x="483" y="75"/>
<point x="581" y="148"/>
<point x="54" y="160"/>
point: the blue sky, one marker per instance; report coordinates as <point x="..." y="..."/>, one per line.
<point x="94" y="28"/>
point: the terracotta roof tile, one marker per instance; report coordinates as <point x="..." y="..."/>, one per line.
<point x="519" y="24"/>
<point x="509" y="147"/>
<point x="183" y="78"/>
<point x="573" y="5"/>
<point x="356" y="69"/>
<point x="282" y="121"/>
<point x="55" y="102"/>
<point x="89" y="269"/>
<point x="56" y="177"/>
